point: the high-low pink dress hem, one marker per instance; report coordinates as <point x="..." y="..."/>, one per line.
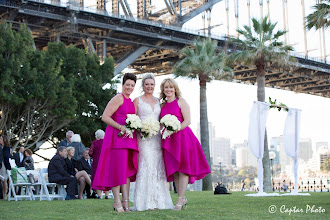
<point x="118" y="159"/>
<point x="182" y="151"/>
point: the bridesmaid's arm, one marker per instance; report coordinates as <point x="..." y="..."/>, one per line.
<point x="136" y="105"/>
<point x="185" y="110"/>
<point x="111" y="108"/>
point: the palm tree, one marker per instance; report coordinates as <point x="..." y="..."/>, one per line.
<point x="320" y="18"/>
<point x="261" y="47"/>
<point x="202" y="61"/>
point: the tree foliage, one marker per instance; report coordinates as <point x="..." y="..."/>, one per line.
<point x="260" y="46"/>
<point x="203" y="61"/>
<point x="43" y="92"/>
<point x="326" y="165"/>
<point x="320" y="17"/>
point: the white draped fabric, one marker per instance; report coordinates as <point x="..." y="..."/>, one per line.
<point x="291" y="142"/>
<point x="257" y="126"/>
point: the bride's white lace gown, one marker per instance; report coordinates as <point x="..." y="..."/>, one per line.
<point x="151" y="189"/>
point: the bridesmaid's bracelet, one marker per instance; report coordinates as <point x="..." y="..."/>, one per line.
<point x="119" y="127"/>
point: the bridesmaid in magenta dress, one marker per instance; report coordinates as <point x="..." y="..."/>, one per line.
<point x="95" y="152"/>
<point x="117" y="166"/>
<point x="184" y="159"/>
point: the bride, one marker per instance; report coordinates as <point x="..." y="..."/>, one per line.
<point x="151" y="189"/>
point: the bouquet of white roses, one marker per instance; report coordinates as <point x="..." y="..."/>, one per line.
<point x="150" y="127"/>
<point x="133" y="122"/>
<point x="171" y="125"/>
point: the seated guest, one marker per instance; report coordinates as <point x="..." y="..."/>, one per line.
<point x="67" y="141"/>
<point x="57" y="173"/>
<point x="73" y="167"/>
<point x="19" y="157"/>
<point x="86" y="164"/>
<point x="78" y="146"/>
<point x="28" y="160"/>
<point x="5" y="165"/>
<point x="95" y="152"/>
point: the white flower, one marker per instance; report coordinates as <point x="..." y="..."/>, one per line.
<point x="133" y="122"/>
<point x="171" y="125"/>
<point x="149" y="127"/>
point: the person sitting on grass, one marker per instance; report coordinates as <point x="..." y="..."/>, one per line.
<point x="57" y="173"/>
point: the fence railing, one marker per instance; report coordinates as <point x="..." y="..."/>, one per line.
<point x="310" y="185"/>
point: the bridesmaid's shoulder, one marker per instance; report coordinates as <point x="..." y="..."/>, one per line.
<point x="182" y="102"/>
<point x="118" y="98"/>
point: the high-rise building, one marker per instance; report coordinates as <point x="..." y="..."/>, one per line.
<point x="244" y="157"/>
<point x="211" y="137"/>
<point x="305" y="149"/>
<point x="221" y="151"/>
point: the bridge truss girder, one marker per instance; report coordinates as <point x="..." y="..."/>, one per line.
<point x="118" y="37"/>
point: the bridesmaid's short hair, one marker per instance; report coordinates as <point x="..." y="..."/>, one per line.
<point x="172" y="82"/>
<point x="130" y="76"/>
<point x="147" y="76"/>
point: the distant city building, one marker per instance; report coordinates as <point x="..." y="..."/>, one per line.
<point x="233" y="157"/>
<point x="222" y="151"/>
<point x="211" y="137"/>
<point x="305" y="149"/>
<point x="244" y="157"/>
<point x="319" y="157"/>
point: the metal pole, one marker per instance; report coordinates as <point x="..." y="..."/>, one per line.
<point x="249" y="12"/>
<point x="304" y="24"/>
<point x="236" y="16"/>
<point x="203" y="17"/>
<point x="209" y="21"/>
<point x="324" y="48"/>
<point x="287" y="20"/>
<point x="227" y="12"/>
<point x="268" y="10"/>
<point x="284" y="22"/>
<point x="220" y="173"/>
<point x="261" y="3"/>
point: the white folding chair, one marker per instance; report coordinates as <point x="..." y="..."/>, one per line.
<point x="38" y="187"/>
<point x="12" y="190"/>
<point x="51" y="193"/>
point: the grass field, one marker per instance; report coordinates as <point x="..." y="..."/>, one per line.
<point x="201" y="205"/>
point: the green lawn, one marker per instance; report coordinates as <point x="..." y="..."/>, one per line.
<point x="201" y="205"/>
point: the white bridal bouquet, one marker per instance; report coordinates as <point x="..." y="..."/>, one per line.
<point x="150" y="127"/>
<point x="133" y="122"/>
<point x="171" y="125"/>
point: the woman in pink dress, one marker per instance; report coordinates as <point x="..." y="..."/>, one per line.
<point x="117" y="165"/>
<point x="183" y="154"/>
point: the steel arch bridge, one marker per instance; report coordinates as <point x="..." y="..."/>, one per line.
<point x="149" y="42"/>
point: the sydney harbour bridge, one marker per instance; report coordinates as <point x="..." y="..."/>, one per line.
<point x="146" y="38"/>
